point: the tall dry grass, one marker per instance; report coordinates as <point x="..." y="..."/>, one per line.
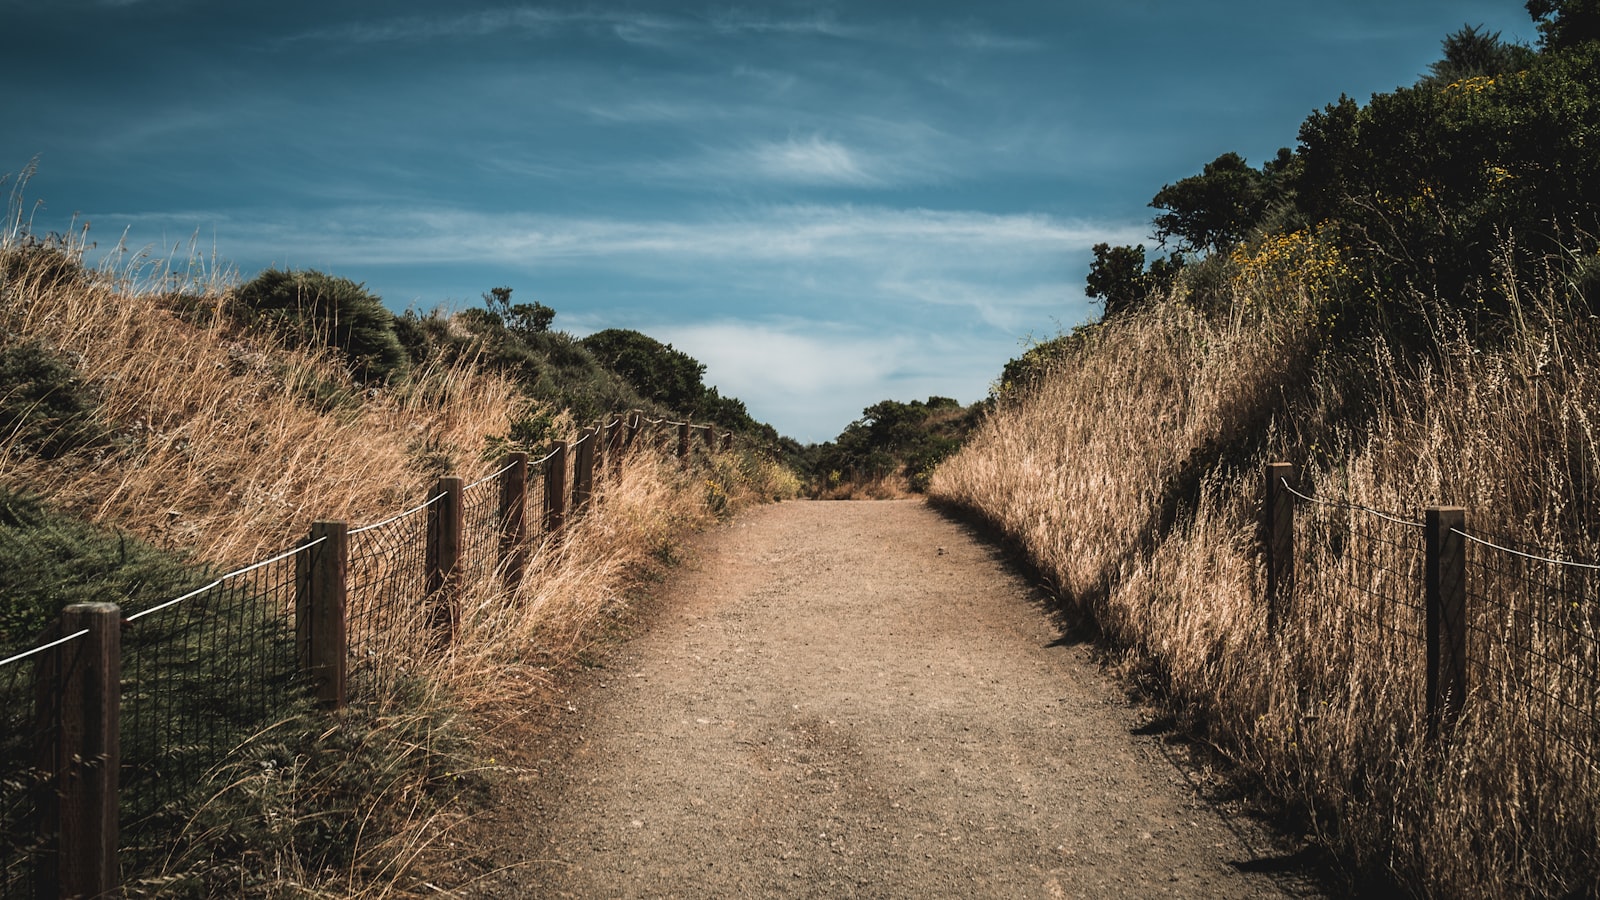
<point x="1131" y="476"/>
<point x="224" y="447"/>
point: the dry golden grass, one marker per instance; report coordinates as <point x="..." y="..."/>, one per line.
<point x="1132" y="474"/>
<point x="226" y="447"/>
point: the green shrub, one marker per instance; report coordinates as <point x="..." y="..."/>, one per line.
<point x="46" y="408"/>
<point x="312" y="308"/>
<point x="48" y="561"/>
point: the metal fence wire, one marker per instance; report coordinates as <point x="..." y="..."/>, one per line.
<point x="1534" y="642"/>
<point x="25" y="739"/>
<point x="480" y="532"/>
<point x="386" y="594"/>
<point x="202" y="676"/>
<point x="1357" y="614"/>
<point x="211" y="665"/>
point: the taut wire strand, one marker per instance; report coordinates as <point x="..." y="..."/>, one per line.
<point x="1345" y="504"/>
<point x="393" y="519"/>
<point x="491" y="476"/>
<point x="43" y="647"/>
<point x="1543" y="559"/>
<point x="234" y="574"/>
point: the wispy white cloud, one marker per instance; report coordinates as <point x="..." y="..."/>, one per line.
<point x="663" y="30"/>
<point x="779" y="233"/>
<point x="813" y="160"/>
<point x="817" y="375"/>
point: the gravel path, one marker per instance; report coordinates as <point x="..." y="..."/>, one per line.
<point x="860" y="700"/>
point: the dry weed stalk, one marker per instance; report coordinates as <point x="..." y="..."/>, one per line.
<point x="227" y="446"/>
<point x="1131" y="476"/>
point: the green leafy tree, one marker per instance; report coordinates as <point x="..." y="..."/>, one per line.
<point x="1214" y="210"/>
<point x="1424" y="185"/>
<point x="658" y="372"/>
<point x="1118" y="278"/>
<point x="521" y="319"/>
<point x="312" y="308"/>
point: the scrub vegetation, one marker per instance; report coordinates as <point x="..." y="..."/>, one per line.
<point x="1405" y="307"/>
<point x="159" y="424"/>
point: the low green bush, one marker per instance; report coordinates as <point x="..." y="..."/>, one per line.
<point x="312" y="308"/>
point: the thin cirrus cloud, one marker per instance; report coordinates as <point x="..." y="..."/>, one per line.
<point x="811" y="161"/>
<point x="809" y="373"/>
<point x="630" y="27"/>
<point x="885" y="235"/>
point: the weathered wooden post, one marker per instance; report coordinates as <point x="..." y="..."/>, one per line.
<point x="555" y="489"/>
<point x="635" y="425"/>
<point x="1445" y="596"/>
<point x="81" y="696"/>
<point x="683" y="439"/>
<point x="445" y="521"/>
<point x="319" y="612"/>
<point x="1277" y="541"/>
<point x="709" y="434"/>
<point x="513" y="518"/>
<point x="727" y="442"/>
<point x="616" y="443"/>
<point x="583" y="478"/>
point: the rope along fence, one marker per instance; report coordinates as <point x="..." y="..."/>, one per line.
<point x="1474" y="634"/>
<point x="113" y="720"/>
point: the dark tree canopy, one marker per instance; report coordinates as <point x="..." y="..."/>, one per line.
<point x="1118" y="278"/>
<point x="658" y="372"/>
<point x="521" y="319"/>
<point x="1565" y="23"/>
<point x="1473" y="52"/>
<point x="1214" y="210"/>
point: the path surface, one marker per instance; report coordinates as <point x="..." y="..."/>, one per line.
<point x="862" y="700"/>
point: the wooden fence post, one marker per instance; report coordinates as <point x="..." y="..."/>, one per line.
<point x="555" y="489"/>
<point x="583" y="477"/>
<point x="1277" y="540"/>
<point x="319" y="612"/>
<point x="513" y="518"/>
<point x="635" y="424"/>
<point x="615" y="436"/>
<point x="83" y="701"/>
<point x="727" y="442"/>
<point x="709" y="434"/>
<point x="445" y="519"/>
<point x="1445" y="595"/>
<point x="683" y="440"/>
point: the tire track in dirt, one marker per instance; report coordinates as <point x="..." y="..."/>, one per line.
<point x="862" y="700"/>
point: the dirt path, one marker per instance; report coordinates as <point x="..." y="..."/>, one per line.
<point x="861" y="700"/>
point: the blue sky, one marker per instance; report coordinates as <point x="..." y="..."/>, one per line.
<point x="826" y="205"/>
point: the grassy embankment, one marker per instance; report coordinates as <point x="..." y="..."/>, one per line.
<point x="1130" y="473"/>
<point x="136" y="404"/>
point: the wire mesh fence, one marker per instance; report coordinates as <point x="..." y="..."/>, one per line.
<point x="481" y="532"/>
<point x="386" y="607"/>
<point x="1534" y="644"/>
<point x="208" y="667"/>
<point x="26" y="739"/>
<point x="1357" y="618"/>
<point x="202" y="675"/>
